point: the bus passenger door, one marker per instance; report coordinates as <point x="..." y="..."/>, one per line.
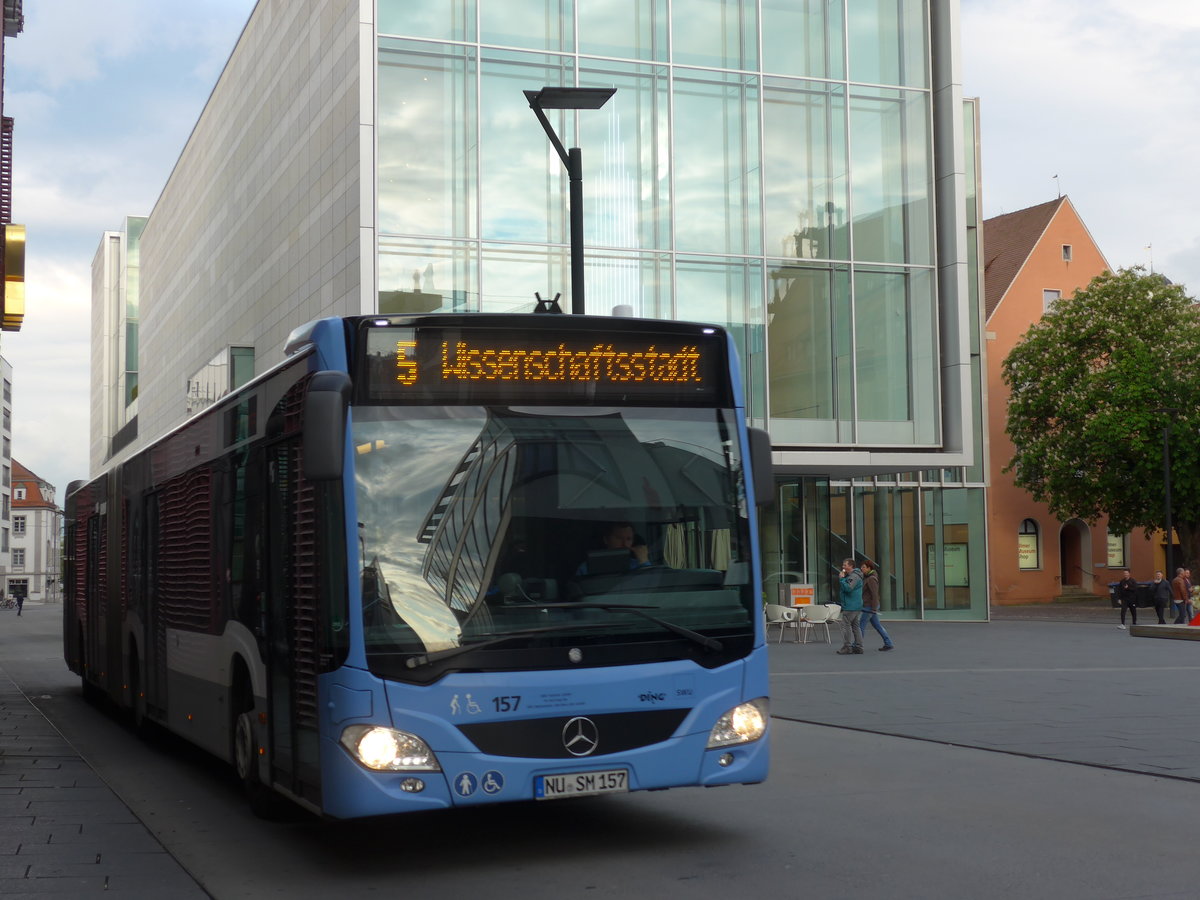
<point x="291" y="645"/>
<point x="95" y="588"/>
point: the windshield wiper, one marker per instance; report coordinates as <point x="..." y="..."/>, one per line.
<point x="702" y="639"/>
<point x="425" y="659"/>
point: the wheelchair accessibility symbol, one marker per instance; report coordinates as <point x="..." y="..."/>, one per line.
<point x="492" y="782"/>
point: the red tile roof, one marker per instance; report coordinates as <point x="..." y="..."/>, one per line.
<point x="34" y="498"/>
<point x="1007" y="242"/>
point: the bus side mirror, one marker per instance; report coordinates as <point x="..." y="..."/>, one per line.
<point x="762" y="469"/>
<point x="325" y="408"/>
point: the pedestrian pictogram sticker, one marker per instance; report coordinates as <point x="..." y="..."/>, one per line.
<point x="465" y="784"/>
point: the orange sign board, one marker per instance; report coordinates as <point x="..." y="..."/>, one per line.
<point x="801" y="594"/>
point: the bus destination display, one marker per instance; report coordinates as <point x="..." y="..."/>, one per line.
<point x="468" y="365"/>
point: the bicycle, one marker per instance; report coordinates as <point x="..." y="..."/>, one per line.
<point x="8" y="603"/>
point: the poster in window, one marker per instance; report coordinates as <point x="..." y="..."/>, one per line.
<point x="1116" y="551"/>
<point x="1027" y="551"/>
<point x="954" y="565"/>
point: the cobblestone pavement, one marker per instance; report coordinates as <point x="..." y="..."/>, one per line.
<point x="63" y="832"/>
<point x="1097" y="611"/>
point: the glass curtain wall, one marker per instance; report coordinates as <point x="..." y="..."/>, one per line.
<point x="764" y="164"/>
<point x="131" y="282"/>
<point x="927" y="541"/>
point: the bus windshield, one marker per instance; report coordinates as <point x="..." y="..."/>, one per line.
<point x="490" y="536"/>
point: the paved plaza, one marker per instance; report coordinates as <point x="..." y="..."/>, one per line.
<point x="63" y="832"/>
<point x="1059" y="684"/>
<point x="1063" y="684"/>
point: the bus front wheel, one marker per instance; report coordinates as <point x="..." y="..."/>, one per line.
<point x="137" y="698"/>
<point x="264" y="802"/>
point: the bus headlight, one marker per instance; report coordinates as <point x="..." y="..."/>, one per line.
<point x="744" y="723"/>
<point x="389" y="750"/>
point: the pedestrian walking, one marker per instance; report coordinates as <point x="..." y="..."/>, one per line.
<point x="870" y="598"/>
<point x="1126" y="594"/>
<point x="20" y="602"/>
<point x="851" y="592"/>
<point x="1179" y="595"/>
<point x="1189" y="605"/>
<point x="1160" y="592"/>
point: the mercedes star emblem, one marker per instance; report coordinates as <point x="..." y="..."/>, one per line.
<point x="580" y="736"/>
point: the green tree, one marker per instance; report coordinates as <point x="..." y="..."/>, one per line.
<point x="1090" y="384"/>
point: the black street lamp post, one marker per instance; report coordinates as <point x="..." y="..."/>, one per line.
<point x="570" y="98"/>
<point x="1168" y="411"/>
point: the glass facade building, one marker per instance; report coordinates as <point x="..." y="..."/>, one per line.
<point x="769" y="165"/>
<point x="116" y="278"/>
<point x="800" y="171"/>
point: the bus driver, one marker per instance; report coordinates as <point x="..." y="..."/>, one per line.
<point x="620" y="536"/>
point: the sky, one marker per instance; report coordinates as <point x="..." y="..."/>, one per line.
<point x="1094" y="99"/>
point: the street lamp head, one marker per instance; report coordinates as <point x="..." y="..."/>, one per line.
<point x="569" y="97"/>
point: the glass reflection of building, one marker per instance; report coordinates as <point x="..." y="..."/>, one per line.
<point x="771" y="166"/>
<point x="116" y="277"/>
<point x="801" y="171"/>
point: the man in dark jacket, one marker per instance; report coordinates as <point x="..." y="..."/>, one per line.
<point x="870" y="595"/>
<point x="1126" y="593"/>
<point x="1160" y="591"/>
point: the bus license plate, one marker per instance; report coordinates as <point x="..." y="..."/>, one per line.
<point x="581" y="784"/>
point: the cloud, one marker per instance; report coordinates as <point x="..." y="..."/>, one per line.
<point x="55" y="56"/>
<point x="97" y="140"/>
<point x="103" y="96"/>
<point x="1102" y="95"/>
<point x="72" y="41"/>
<point x="51" y="359"/>
<point x="1172" y="13"/>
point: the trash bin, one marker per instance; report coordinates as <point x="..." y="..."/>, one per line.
<point x="1145" y="595"/>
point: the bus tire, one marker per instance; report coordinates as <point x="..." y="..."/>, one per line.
<point x="137" y="697"/>
<point x="91" y="693"/>
<point x="263" y="802"/>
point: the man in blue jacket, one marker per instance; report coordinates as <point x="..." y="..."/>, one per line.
<point x="852" y="603"/>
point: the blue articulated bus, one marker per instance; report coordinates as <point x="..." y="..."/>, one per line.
<point x="442" y="560"/>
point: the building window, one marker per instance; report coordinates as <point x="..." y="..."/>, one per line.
<point x="18" y="524"/>
<point x="18" y="493"/>
<point x="225" y="372"/>
<point x="1028" y="546"/>
<point x="1066" y="252"/>
<point x="1116" y="550"/>
<point x="1049" y="298"/>
<point x="18" y="556"/>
